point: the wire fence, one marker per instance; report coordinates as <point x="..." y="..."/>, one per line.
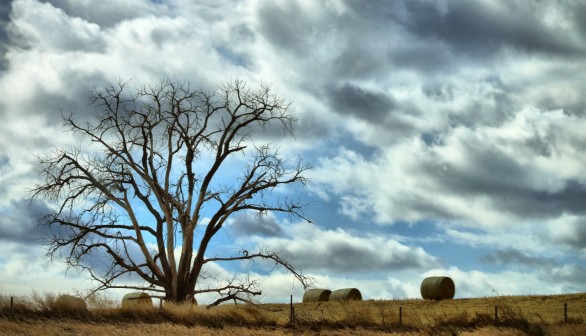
<point x="423" y="312"/>
<point x="394" y="312"/>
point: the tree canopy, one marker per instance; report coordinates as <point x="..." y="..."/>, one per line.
<point x="145" y="180"/>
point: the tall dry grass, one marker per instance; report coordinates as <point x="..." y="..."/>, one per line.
<point x="529" y="315"/>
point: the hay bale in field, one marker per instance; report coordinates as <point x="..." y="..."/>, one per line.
<point x="137" y="300"/>
<point x="438" y="288"/>
<point x="316" y="295"/>
<point x="346" y="294"/>
<point x="70" y="303"/>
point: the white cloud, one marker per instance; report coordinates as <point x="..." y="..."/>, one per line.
<point x="44" y="27"/>
<point x="278" y="286"/>
<point x="25" y="270"/>
<point x="466" y="175"/>
<point x="315" y="249"/>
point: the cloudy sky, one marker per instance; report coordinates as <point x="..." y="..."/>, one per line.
<point x="447" y="137"/>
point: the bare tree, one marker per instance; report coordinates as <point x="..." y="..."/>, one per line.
<point x="147" y="183"/>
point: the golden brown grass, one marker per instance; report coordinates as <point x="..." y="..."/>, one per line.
<point x="518" y="315"/>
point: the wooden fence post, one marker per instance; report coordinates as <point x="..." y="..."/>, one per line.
<point x="11" y="303"/>
<point x="292" y="311"/>
<point x="496" y="314"/>
<point x="400" y="316"/>
<point x="565" y="312"/>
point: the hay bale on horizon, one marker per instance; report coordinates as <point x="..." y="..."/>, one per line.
<point x="137" y="300"/>
<point x="438" y="288"/>
<point x="316" y="295"/>
<point x="70" y="303"/>
<point x="346" y="294"/>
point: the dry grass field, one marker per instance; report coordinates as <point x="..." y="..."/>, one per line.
<point x="518" y="315"/>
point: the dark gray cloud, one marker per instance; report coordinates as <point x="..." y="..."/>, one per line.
<point x="19" y="222"/>
<point x="489" y="171"/>
<point x="349" y="258"/>
<point x="578" y="13"/>
<point x="251" y="224"/>
<point x="292" y="34"/>
<point x="107" y="13"/>
<point x="358" y="62"/>
<point x="571" y="276"/>
<point x="4" y="36"/>
<point x="331" y="45"/>
<point x="430" y="57"/>
<point x="541" y="204"/>
<point x="360" y="103"/>
<point x="500" y="176"/>
<point x="478" y="28"/>
<point x="312" y="248"/>
<point x="51" y="104"/>
<point x="516" y="257"/>
<point x="572" y="234"/>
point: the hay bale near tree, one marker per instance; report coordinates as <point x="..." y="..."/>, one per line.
<point x="70" y="303"/>
<point x="137" y="300"/>
<point x="438" y="288"/>
<point x="346" y="294"/>
<point x="316" y="295"/>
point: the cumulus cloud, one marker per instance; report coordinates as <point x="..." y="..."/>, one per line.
<point x="4" y="43"/>
<point x="484" y="27"/>
<point x="26" y="268"/>
<point x="315" y="249"/>
<point x="18" y="222"/>
<point x="568" y="230"/>
<point x="251" y="224"/>
<point x="108" y="13"/>
<point x="513" y="256"/>
<point x="46" y="27"/>
<point x="525" y="168"/>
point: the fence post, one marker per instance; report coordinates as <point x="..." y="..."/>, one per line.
<point x="565" y="312"/>
<point x="292" y="310"/>
<point x="382" y="314"/>
<point x="400" y="316"/>
<point x="496" y="314"/>
<point x="11" y="303"/>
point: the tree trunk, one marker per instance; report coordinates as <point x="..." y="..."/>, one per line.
<point x="183" y="293"/>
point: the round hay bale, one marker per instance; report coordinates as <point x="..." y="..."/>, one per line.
<point x="438" y="288"/>
<point x="316" y="295"/>
<point x="346" y="294"/>
<point x="70" y="303"/>
<point x="137" y="300"/>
